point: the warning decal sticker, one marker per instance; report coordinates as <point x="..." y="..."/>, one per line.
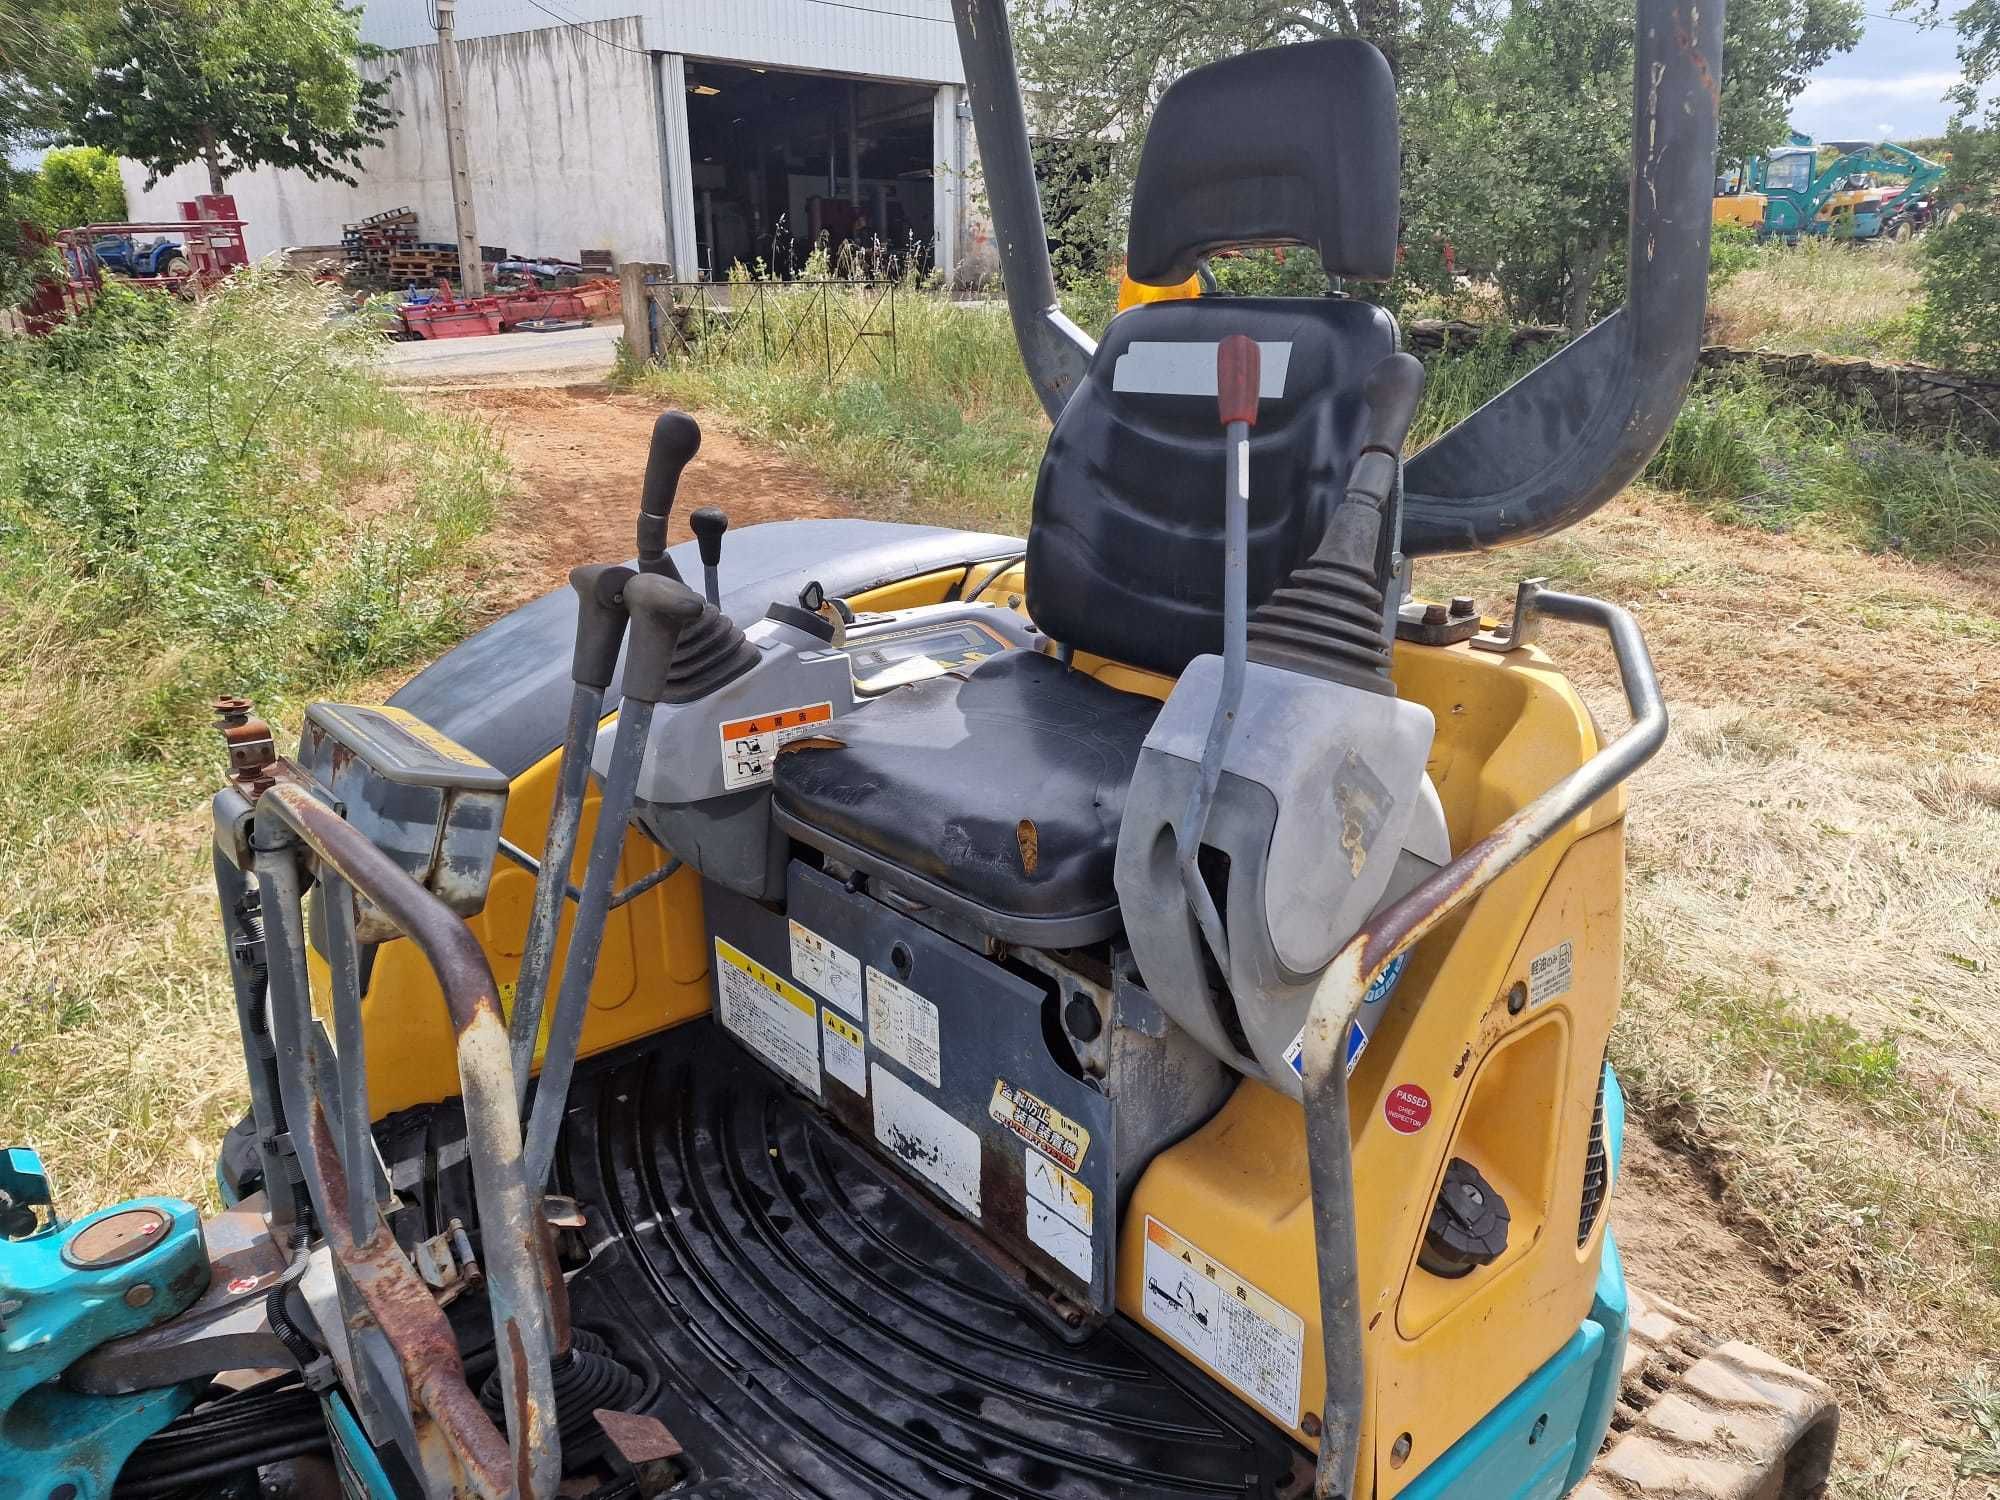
<point x="769" y="1015"/>
<point x="1550" y="974"/>
<point x="750" y="746"/>
<point x="903" y="1024"/>
<point x="926" y="1139"/>
<point x="1059" y="1215"/>
<point x="1253" y="1343"/>
<point x="845" y="1057"/>
<point x="1039" y="1123"/>
<point x="827" y="969"/>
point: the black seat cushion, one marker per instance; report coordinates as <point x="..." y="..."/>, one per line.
<point x="1004" y="787"/>
<point x="1125" y="553"/>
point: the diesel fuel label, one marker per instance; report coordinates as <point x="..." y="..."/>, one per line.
<point x="750" y="746"/>
<point x="1039" y="1123"/>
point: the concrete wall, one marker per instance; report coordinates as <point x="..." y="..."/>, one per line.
<point x="565" y="134"/>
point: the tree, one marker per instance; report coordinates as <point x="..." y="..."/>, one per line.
<point x="41" y="47"/>
<point x="1959" y="322"/>
<point x="234" y="84"/>
<point x="76" y="185"/>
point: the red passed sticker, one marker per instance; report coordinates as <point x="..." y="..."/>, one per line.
<point x="1407" y="1109"/>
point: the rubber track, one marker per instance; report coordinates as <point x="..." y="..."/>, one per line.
<point x="1702" y="1420"/>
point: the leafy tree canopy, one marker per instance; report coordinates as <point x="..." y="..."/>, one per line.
<point x="234" y="84"/>
<point x="75" y="185"/>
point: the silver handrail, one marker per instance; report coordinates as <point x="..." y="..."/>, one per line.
<point x="1396" y="928"/>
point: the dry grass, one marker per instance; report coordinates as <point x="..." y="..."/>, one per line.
<point x="1812" y="1019"/>
<point x="1821" y="295"/>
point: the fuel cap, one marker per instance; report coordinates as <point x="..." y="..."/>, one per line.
<point x="1468" y="1225"/>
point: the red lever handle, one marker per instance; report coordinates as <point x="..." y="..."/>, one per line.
<point x="1236" y="379"/>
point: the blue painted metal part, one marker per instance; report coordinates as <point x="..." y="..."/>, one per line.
<point x="362" y="1476"/>
<point x="65" y="1289"/>
<point x="1540" y="1442"/>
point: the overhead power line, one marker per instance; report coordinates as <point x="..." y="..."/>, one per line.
<point x="577" y="25"/>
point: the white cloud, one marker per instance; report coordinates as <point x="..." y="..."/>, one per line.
<point x="1828" y="92"/>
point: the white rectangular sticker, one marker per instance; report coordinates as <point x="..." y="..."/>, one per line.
<point x="1060" y="1213"/>
<point x="825" y="968"/>
<point x="769" y="1014"/>
<point x="845" y="1053"/>
<point x="750" y="746"/>
<point x="1151" y="367"/>
<point x="930" y="1142"/>
<point x="903" y="1024"/>
<point x="1549" y="974"/>
<point x="1254" y="1343"/>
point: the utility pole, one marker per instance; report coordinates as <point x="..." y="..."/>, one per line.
<point x="471" y="271"/>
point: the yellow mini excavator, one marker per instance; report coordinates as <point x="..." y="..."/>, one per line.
<point x="901" y="1012"/>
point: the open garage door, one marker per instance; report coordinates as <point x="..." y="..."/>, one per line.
<point x="781" y="162"/>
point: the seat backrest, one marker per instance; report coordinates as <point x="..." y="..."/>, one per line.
<point x="1292" y="145"/>
<point x="1125" y="547"/>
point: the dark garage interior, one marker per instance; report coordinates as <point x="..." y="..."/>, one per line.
<point x="782" y="158"/>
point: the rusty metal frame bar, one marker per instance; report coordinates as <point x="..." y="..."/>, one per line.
<point x="1398" y="927"/>
<point x="459" y="1449"/>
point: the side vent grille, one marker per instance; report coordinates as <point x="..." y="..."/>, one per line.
<point x="1596" y="1169"/>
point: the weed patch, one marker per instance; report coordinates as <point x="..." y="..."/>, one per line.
<point x="178" y="520"/>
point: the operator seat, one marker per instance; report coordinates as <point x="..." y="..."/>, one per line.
<point x="996" y="795"/>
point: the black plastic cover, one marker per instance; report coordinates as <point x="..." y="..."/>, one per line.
<point x="1125" y="553"/>
<point x="1004" y="786"/>
<point x="816" y="1330"/>
<point x="1288" y="146"/>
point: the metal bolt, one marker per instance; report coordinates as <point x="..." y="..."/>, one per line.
<point x="139" y="1294"/>
<point x="1309" y="1424"/>
<point x="1400" y="1453"/>
<point x="1517" y="999"/>
<point x="1434" y="614"/>
<point x="1463" y="605"/>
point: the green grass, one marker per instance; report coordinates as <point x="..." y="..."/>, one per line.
<point x="951" y="431"/>
<point x="1821" y="296"/>
<point x="194" y="500"/>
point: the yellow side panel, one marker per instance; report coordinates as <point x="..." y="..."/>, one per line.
<point x="653" y="972"/>
<point x="1511" y="1093"/>
<point x="1745" y="209"/>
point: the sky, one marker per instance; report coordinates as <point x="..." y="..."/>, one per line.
<point x="1888" y="88"/>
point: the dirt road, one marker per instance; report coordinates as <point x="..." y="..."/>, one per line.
<point x="579" y="454"/>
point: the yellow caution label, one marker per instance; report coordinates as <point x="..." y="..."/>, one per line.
<point x="769" y="1015"/>
<point x="1039" y="1123"/>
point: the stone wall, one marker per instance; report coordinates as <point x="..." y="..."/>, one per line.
<point x="1915" y="399"/>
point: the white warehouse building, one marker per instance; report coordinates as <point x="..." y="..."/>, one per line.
<point x="691" y="132"/>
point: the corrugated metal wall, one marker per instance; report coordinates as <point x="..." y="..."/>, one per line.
<point x="910" y="39"/>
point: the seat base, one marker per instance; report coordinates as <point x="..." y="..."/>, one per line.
<point x="995" y="796"/>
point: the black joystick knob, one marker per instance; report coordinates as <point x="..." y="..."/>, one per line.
<point x="676" y="440"/>
<point x="708" y="524"/>
<point x="661" y="609"/>
<point x="600" y="621"/>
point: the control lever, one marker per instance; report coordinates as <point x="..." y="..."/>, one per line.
<point x="661" y="608"/>
<point x="708" y="524"/>
<point x="600" y="632"/>
<point x="676" y="440"/>
<point x="1238" y="374"/>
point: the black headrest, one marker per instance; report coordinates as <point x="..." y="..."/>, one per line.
<point x="1288" y="146"/>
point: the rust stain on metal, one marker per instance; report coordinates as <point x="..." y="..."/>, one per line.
<point x="639" y="1439"/>
<point x="522" y="1419"/>
<point x="812" y="742"/>
<point x="1029" y="840"/>
<point x="252" y="751"/>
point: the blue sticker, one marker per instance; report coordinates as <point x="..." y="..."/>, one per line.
<point x="1357" y="1032"/>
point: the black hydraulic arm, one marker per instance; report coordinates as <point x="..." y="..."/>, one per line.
<point x="1053" y="348"/>
<point x="1576" y="429"/>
